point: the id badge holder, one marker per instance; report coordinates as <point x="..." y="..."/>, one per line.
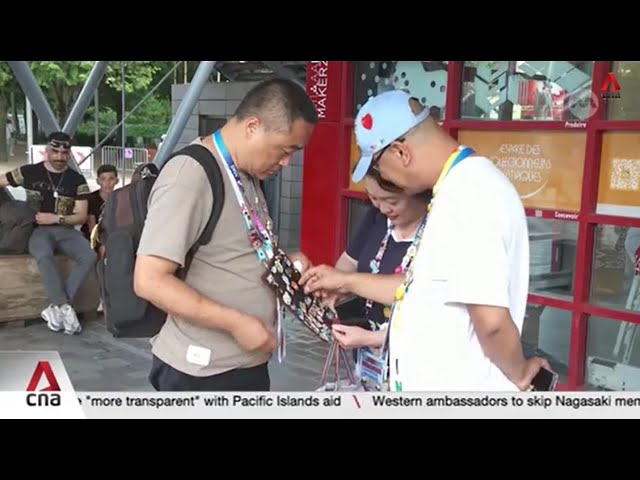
<point x="282" y="347"/>
<point x="371" y="368"/>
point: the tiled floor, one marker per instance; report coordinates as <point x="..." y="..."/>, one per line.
<point x="95" y="361"/>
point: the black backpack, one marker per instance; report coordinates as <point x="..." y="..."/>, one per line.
<point x="17" y="221"/>
<point x="121" y="225"/>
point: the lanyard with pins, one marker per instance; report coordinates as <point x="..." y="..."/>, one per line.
<point x="260" y="234"/>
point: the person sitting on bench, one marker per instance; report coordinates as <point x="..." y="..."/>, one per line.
<point x="59" y="195"/>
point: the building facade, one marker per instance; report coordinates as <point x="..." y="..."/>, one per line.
<point x="567" y="134"/>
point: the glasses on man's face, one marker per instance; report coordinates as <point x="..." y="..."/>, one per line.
<point x="376" y="159"/>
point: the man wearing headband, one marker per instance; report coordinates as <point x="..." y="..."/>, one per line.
<point x="59" y="196"/>
<point x="458" y="312"/>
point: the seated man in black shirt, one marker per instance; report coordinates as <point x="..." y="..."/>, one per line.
<point x="59" y="196"/>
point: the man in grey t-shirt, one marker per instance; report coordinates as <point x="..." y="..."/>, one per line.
<point x="221" y="327"/>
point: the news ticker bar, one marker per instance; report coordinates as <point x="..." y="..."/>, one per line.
<point x="320" y="405"/>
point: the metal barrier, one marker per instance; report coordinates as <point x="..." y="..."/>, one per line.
<point x="125" y="160"/>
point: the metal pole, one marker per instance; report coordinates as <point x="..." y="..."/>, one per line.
<point x="32" y="91"/>
<point x="188" y="103"/>
<point x="84" y="99"/>
<point x="29" y="120"/>
<point x="124" y="130"/>
<point x="96" y="106"/>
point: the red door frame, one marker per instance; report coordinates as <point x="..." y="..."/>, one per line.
<point x="326" y="180"/>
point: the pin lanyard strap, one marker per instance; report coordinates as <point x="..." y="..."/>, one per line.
<point x="456" y="157"/>
<point x="263" y="246"/>
<point x="374" y="265"/>
<point x="406" y="259"/>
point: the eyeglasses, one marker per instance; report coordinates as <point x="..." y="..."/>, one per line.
<point x="376" y="160"/>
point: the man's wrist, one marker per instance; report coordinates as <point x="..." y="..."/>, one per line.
<point x="519" y="374"/>
<point x="348" y="281"/>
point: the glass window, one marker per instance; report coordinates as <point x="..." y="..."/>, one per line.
<point x="613" y="283"/>
<point x="627" y="106"/>
<point x="426" y="81"/>
<point x="544" y="166"/>
<point x="546" y="333"/>
<point x="358" y="208"/>
<point x="526" y="90"/>
<point x="613" y="355"/>
<point x="552" y="256"/>
<point x="619" y="182"/>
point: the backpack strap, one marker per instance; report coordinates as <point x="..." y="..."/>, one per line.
<point x="206" y="159"/>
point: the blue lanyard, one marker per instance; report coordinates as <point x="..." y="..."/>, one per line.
<point x="222" y="148"/>
<point x="259" y="236"/>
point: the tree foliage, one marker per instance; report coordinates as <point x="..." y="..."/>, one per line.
<point x="7" y="85"/>
<point x="149" y="121"/>
<point x="6" y="77"/>
<point x="63" y="81"/>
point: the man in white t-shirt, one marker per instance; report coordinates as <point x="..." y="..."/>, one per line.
<point x="458" y="325"/>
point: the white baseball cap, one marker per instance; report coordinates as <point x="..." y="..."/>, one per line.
<point x="380" y="121"/>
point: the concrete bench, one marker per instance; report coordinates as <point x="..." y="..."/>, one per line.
<point x="22" y="294"/>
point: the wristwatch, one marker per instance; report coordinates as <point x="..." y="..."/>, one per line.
<point x="61" y="220"/>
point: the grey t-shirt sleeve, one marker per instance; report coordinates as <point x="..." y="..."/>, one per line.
<point x="180" y="204"/>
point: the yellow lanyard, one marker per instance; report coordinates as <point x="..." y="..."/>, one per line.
<point x="456" y="156"/>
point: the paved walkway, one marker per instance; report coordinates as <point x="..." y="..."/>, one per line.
<point x="96" y="361"/>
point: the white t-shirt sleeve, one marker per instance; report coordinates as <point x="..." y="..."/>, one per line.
<point x="479" y="261"/>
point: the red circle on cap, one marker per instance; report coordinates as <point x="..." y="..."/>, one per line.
<point x="367" y="121"/>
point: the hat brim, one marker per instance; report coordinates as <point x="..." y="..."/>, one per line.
<point x="362" y="167"/>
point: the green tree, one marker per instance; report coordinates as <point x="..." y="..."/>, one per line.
<point x="63" y="81"/>
<point x="139" y="78"/>
<point x="7" y="85"/>
<point x="149" y="121"/>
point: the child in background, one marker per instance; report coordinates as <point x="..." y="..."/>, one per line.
<point x="107" y="180"/>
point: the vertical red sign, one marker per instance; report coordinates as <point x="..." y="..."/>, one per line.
<point x="324" y="160"/>
<point x="324" y="87"/>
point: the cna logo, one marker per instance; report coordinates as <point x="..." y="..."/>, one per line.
<point x="43" y="369"/>
<point x="610" y="87"/>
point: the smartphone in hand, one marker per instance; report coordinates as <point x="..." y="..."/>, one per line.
<point x="544" y="381"/>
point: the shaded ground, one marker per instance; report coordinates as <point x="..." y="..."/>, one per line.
<point x="96" y="361"/>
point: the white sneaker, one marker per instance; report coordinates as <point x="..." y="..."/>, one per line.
<point x="53" y="316"/>
<point x="70" y="320"/>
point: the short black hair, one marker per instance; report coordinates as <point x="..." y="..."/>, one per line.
<point x="59" y="137"/>
<point x="277" y="102"/>
<point x="107" y="168"/>
<point x="426" y="195"/>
